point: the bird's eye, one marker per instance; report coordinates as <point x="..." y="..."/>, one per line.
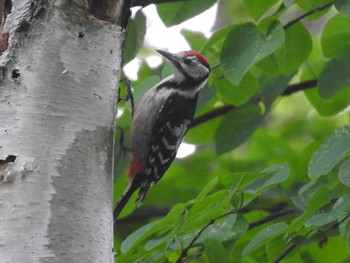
<point x="187" y="61"/>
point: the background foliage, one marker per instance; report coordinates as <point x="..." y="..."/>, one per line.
<point x="270" y="178"/>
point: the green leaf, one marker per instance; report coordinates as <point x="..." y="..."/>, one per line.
<point x="344" y="173"/>
<point x="335" y="76"/>
<point x="295" y="50"/>
<point x="207" y="208"/>
<point x="194" y="39"/>
<point x="241" y="179"/>
<point x="135" y="36"/>
<point x="317" y="200"/>
<point x="289" y="3"/>
<point x="220" y="230"/>
<point x="330" y="152"/>
<point x="343" y="6"/>
<point x="269" y="67"/>
<point x="237" y="126"/>
<point x="173" y="13"/>
<point x="330" y="106"/>
<point x="264" y="236"/>
<point x="165" y="224"/>
<point x="207" y="188"/>
<point x="257" y="8"/>
<point x="245" y="45"/>
<point x="271" y="89"/>
<point x="278" y="174"/>
<point x="310" y="5"/>
<point x="335" y="39"/>
<point x="132" y="239"/>
<point x="345" y="231"/>
<point x="215" y="251"/>
<point x="216" y="38"/>
<point x="236" y="95"/>
<point x="321" y="219"/>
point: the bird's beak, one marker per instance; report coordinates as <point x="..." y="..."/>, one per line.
<point x="169" y="56"/>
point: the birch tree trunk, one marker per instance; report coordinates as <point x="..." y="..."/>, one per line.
<point x="59" y="75"/>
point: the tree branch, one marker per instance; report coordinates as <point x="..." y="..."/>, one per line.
<point x="317" y="9"/>
<point x="271" y="217"/>
<point x="300" y="86"/>
<point x="227" y="108"/>
<point x="211" y="115"/>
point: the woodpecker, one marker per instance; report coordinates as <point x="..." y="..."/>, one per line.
<point x="160" y="122"/>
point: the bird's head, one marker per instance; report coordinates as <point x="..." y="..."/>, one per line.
<point x="189" y="66"/>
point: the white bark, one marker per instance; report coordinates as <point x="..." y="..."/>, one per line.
<point x="57" y="118"/>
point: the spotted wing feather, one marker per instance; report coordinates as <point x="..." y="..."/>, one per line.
<point x="171" y="126"/>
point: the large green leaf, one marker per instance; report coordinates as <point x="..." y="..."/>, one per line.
<point x="310" y="5"/>
<point x="343" y="6"/>
<point x="233" y="94"/>
<point x="335" y="76"/>
<point x="237" y="126"/>
<point x="330" y="106"/>
<point x="345" y="231"/>
<point x="241" y="179"/>
<point x="278" y="174"/>
<point x="194" y="39"/>
<point x="207" y="188"/>
<point x="135" y="237"/>
<point x="289" y="3"/>
<point x="295" y="49"/>
<point x="335" y="39"/>
<point x="245" y="45"/>
<point x="166" y="224"/>
<point x="321" y="219"/>
<point x="264" y="236"/>
<point x="215" y="251"/>
<point x="330" y="152"/>
<point x="271" y="89"/>
<point x="257" y="8"/>
<point x="344" y="173"/>
<point x="317" y="200"/>
<point x="217" y="38"/>
<point x="220" y="230"/>
<point x="134" y="36"/>
<point x="173" y="13"/>
<point x="208" y="207"/>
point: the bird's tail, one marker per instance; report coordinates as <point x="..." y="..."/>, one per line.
<point x="132" y="187"/>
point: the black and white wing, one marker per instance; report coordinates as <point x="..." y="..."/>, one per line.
<point x="171" y="126"/>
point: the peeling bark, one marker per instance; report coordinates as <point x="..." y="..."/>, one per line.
<point x="58" y="85"/>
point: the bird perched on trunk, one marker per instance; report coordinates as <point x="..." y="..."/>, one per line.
<point x="160" y="122"/>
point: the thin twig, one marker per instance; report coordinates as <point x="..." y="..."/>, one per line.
<point x="317" y="9"/>
<point x="285" y="253"/>
<point x="271" y="217"/>
<point x="185" y="251"/>
<point x="193" y="256"/>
